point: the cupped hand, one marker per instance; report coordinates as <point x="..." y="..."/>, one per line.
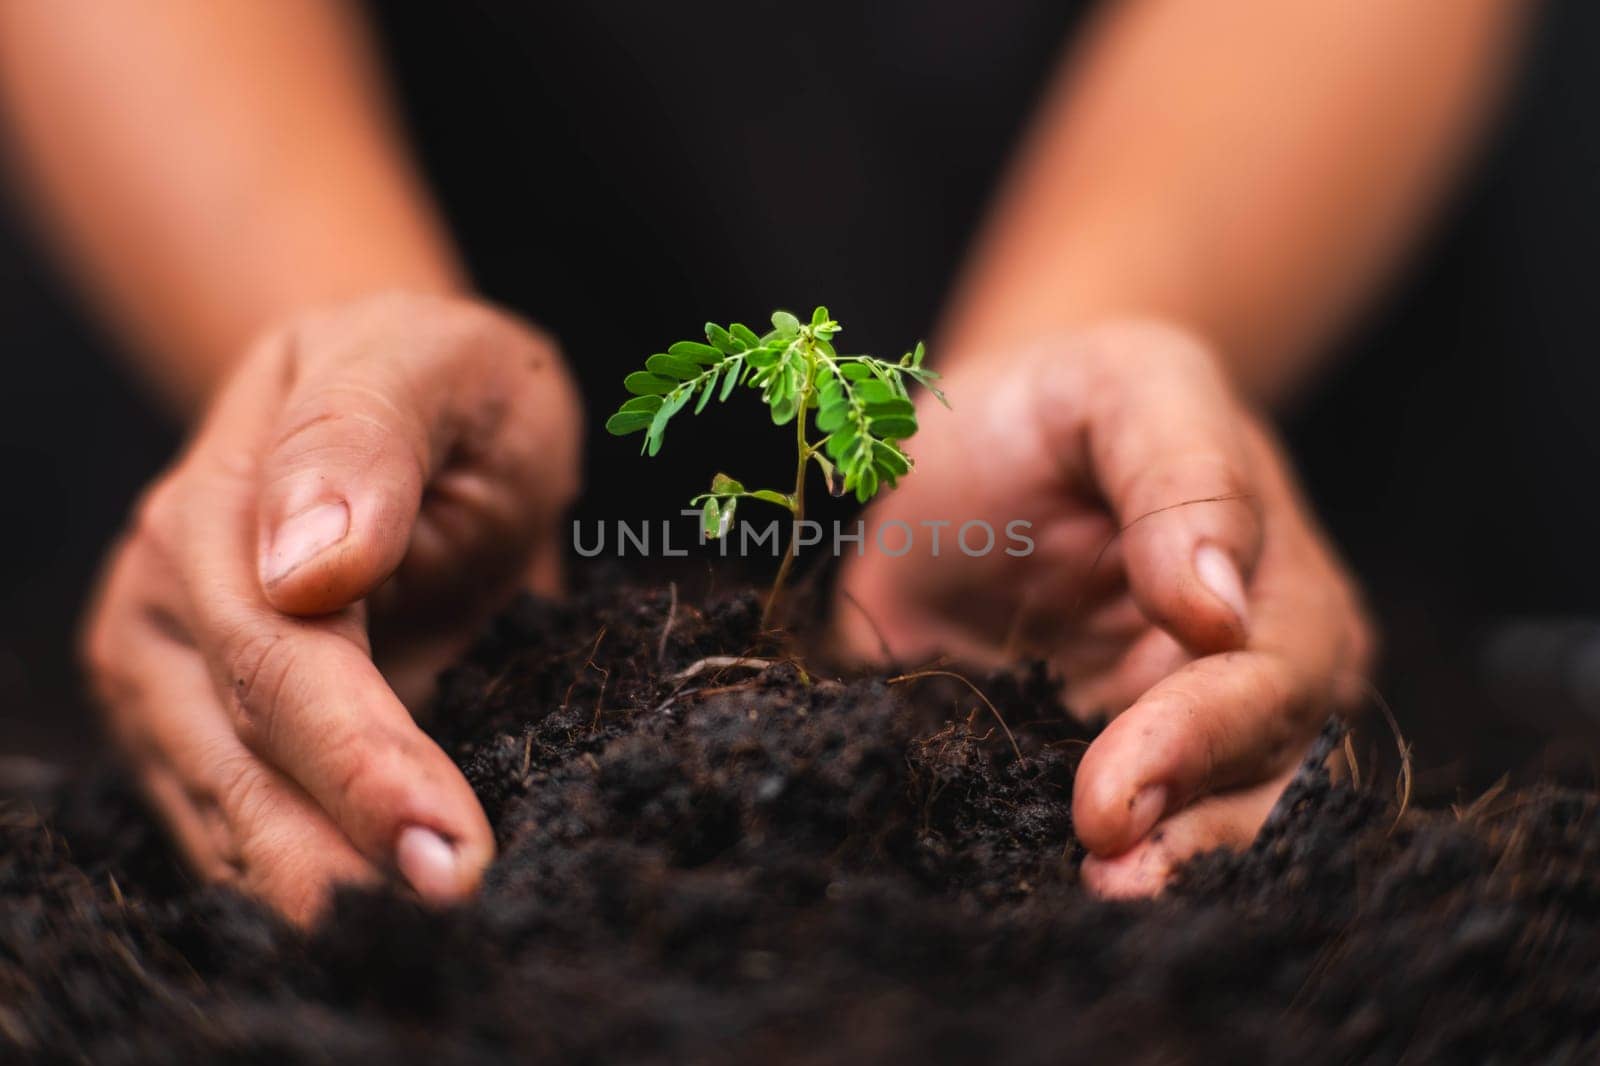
<point x="371" y="481"/>
<point x="1176" y="581"/>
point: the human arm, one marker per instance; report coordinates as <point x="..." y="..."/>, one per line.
<point x="1208" y="195"/>
<point x="1250" y="171"/>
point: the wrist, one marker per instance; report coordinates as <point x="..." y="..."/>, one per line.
<point x="1073" y="338"/>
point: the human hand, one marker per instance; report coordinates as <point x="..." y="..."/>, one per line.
<point x="398" y="466"/>
<point x="1217" y="627"/>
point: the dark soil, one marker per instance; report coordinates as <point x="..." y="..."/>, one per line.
<point x="765" y="866"/>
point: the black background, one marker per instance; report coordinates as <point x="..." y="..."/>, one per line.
<point x="620" y="172"/>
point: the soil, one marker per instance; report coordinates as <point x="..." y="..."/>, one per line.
<point x="760" y="864"/>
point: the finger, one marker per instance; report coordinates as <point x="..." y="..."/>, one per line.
<point x="1239" y="717"/>
<point x="1164" y="448"/>
<point x="311" y="702"/>
<point x="367" y="426"/>
<point x="1224" y="720"/>
<point x="305" y="696"/>
<point x="1234" y="718"/>
<point x="1228" y="821"/>
<point x="233" y="819"/>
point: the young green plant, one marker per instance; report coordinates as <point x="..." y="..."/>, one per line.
<point x="858" y="405"/>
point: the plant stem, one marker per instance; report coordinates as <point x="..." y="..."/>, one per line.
<point x="802" y="455"/>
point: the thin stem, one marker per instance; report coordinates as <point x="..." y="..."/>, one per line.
<point x="802" y="456"/>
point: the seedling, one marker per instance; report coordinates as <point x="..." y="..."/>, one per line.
<point x="862" y="411"/>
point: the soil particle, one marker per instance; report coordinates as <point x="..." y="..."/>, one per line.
<point x="756" y="862"/>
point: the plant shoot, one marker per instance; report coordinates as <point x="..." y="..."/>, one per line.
<point x="857" y="405"/>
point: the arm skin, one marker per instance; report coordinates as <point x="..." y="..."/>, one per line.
<point x="213" y="167"/>
<point x="369" y="443"/>
<point x="1249" y="169"/>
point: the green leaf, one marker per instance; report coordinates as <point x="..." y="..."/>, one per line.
<point x="624" y="422"/>
<point x="641" y="383"/>
<point x="705" y="393"/>
<point x="676" y="400"/>
<point x="722" y="341"/>
<point x="700" y="353"/>
<point x="819" y="316"/>
<point x="889" y="460"/>
<point x="672" y="366"/>
<point x="873" y="391"/>
<point x="773" y="497"/>
<point x="832" y="417"/>
<point x="763" y="357"/>
<point x="840" y="443"/>
<point x="735" y="365"/>
<point x="723" y="485"/>
<point x="866" y="484"/>
<point x="926" y="379"/>
<point x="711" y="518"/>
<point x="783" y="411"/>
<point x="894" y="428"/>
<point x="642" y="403"/>
<point x="854" y="371"/>
<point x="744" y="335"/>
<point x="896" y="407"/>
<point x="787" y="325"/>
<point x="658" y="428"/>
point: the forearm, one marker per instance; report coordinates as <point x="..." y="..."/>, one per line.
<point x="1252" y="169"/>
<point x="211" y="166"/>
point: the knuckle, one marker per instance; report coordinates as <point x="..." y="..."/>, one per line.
<point x="1129" y="349"/>
<point x="1362" y="649"/>
<point x="245" y="798"/>
<point x="371" y="781"/>
<point x="345" y="421"/>
<point x="259" y="665"/>
<point x="99" y="652"/>
<point x="155" y="515"/>
<point x="1194" y="477"/>
<point x="102" y="647"/>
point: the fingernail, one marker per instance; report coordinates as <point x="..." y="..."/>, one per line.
<point x="303" y="537"/>
<point x="428" y="863"/>
<point x="1145" y="810"/>
<point x="1217" y="573"/>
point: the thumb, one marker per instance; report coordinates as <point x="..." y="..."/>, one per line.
<point x="1166" y="448"/>
<point x="340" y="486"/>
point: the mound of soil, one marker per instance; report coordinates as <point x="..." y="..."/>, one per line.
<point x="746" y="863"/>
